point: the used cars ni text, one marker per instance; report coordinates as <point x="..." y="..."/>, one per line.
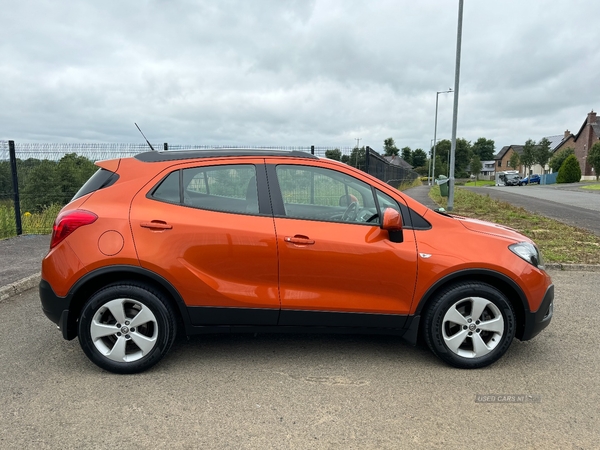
<point x="220" y="241"/>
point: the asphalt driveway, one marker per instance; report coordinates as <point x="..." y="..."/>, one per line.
<point x="567" y="203"/>
<point x="305" y="391"/>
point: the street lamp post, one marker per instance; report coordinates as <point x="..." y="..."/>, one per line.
<point x="437" y="94"/>
<point x="450" y="204"/>
<point x="429" y="179"/>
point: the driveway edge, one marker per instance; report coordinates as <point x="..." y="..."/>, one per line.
<point x="19" y="286"/>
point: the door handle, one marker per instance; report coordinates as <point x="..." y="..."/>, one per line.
<point x="299" y="240"/>
<point x="156" y="225"/>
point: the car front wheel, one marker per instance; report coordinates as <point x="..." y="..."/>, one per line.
<point x="470" y="325"/>
<point x="126" y="328"/>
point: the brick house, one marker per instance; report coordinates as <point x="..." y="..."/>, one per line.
<point x="502" y="159"/>
<point x="586" y="137"/>
<point x="556" y="142"/>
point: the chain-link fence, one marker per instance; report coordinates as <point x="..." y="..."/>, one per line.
<point x="48" y="175"/>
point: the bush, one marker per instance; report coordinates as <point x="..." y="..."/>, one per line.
<point x="559" y="158"/>
<point x="569" y="172"/>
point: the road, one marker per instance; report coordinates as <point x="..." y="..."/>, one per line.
<point x="304" y="391"/>
<point x="568" y="204"/>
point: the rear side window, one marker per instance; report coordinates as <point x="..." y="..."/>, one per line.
<point x="101" y="179"/>
<point x="227" y="188"/>
<point x="169" y="190"/>
<point x="230" y="188"/>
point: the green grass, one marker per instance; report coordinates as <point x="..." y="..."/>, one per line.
<point x="481" y="183"/>
<point x="36" y="223"/>
<point x="558" y="242"/>
<point x="407" y="185"/>
<point x="593" y="187"/>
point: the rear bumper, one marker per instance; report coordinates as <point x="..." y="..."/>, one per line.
<point x="57" y="309"/>
<point x="535" y="322"/>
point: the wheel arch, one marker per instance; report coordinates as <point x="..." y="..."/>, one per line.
<point x="503" y="283"/>
<point x="95" y="280"/>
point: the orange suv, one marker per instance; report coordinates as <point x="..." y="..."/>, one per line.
<point x="221" y="241"/>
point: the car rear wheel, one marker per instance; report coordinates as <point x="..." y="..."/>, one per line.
<point x="470" y="325"/>
<point x="126" y="328"/>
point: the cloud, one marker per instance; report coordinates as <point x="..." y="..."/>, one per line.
<point x="272" y="72"/>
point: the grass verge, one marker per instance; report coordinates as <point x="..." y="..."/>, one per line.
<point x="480" y="183"/>
<point x="558" y="242"/>
<point x="36" y="223"/>
<point x="593" y="187"/>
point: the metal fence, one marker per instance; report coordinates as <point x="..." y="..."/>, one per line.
<point x="37" y="179"/>
<point x="393" y="174"/>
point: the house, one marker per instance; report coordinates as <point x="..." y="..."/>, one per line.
<point x="502" y="159"/>
<point x="488" y="168"/>
<point x="586" y="137"/>
<point x="398" y="161"/>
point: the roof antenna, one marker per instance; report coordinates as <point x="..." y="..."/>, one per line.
<point x="144" y="137"/>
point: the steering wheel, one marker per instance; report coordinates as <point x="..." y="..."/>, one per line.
<point x="350" y="213"/>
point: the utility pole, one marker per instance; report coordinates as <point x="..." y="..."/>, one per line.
<point x="437" y="94"/>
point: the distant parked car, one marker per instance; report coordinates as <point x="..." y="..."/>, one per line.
<point x="508" y="178"/>
<point x="533" y="179"/>
<point x="512" y="181"/>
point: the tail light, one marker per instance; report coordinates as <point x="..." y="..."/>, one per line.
<point x="69" y="221"/>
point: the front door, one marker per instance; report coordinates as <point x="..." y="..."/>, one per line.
<point x="336" y="265"/>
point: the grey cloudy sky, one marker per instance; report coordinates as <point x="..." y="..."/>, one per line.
<point x="294" y="72"/>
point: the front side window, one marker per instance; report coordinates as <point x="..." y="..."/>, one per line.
<point x="385" y="201"/>
<point x="321" y="194"/>
<point x="227" y="188"/>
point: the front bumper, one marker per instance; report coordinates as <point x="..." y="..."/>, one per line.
<point x="535" y="322"/>
<point x="57" y="310"/>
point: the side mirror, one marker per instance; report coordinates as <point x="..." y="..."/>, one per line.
<point x="392" y="221"/>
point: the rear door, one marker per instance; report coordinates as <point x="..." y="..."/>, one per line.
<point x="207" y="228"/>
<point x="337" y="267"/>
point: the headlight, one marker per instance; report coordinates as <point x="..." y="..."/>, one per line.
<point x="529" y="253"/>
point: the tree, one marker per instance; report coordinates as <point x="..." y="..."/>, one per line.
<point x="41" y="187"/>
<point x="514" y="161"/>
<point x="73" y="171"/>
<point x="476" y="167"/>
<point x="462" y="157"/>
<point x="528" y="155"/>
<point x="389" y="147"/>
<point x="542" y="153"/>
<point x="334" y="154"/>
<point x="559" y="158"/>
<point x="484" y="148"/>
<point x="5" y="181"/>
<point x="419" y="158"/>
<point x="442" y="150"/>
<point x="357" y="158"/>
<point x="407" y="155"/>
<point x="569" y="172"/>
<point x="593" y="158"/>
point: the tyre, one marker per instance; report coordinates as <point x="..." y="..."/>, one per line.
<point x="126" y="328"/>
<point x="470" y="325"/>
